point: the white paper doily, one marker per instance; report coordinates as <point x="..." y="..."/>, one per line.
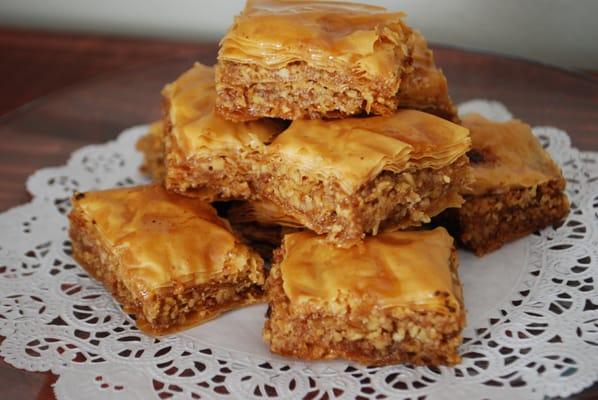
<point x="532" y="309"/>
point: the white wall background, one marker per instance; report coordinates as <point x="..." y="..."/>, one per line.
<point x="563" y="32"/>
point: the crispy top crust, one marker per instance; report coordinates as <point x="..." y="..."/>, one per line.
<point x="392" y="269"/>
<point x="355" y="150"/>
<point x="196" y="127"/>
<point x="324" y="34"/>
<point x="507" y="155"/>
<point x="161" y="239"/>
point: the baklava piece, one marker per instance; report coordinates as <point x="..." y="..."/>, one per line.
<point x="168" y="259"/>
<point x="394" y="298"/>
<point x="207" y="156"/>
<point x="151" y="145"/>
<point x="517" y="188"/>
<point x="345" y="178"/>
<point x="293" y="59"/>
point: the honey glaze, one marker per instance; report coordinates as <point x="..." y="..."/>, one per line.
<point x="196" y="127"/>
<point x="394" y="269"/>
<point x="321" y="33"/>
<point x="160" y="238"/>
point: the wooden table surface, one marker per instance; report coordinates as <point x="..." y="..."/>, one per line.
<point x="61" y="92"/>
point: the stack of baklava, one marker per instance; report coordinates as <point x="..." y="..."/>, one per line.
<point x="325" y="131"/>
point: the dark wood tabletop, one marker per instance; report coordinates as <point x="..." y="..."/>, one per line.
<point x="64" y="91"/>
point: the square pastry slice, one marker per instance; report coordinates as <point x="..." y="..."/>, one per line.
<point x="345" y="178"/>
<point x="394" y="298"/>
<point x="294" y="59"/>
<point x="168" y="259"/>
<point x="151" y="145"/>
<point x="517" y="187"/>
<point x="206" y="155"/>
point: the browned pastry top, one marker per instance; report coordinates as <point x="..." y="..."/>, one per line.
<point x="354" y="150"/>
<point x="506" y="155"/>
<point x="197" y="128"/>
<point x="392" y="269"/>
<point x="159" y="238"/>
<point x="325" y="34"/>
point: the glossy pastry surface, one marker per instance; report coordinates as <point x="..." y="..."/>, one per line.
<point x="156" y="235"/>
<point x="396" y="269"/>
<point x="354" y="150"/>
<point x="323" y="34"/>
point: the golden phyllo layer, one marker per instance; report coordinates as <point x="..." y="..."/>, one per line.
<point x="155" y="234"/>
<point x="323" y="34"/>
<point x="391" y="269"/>
<point x="355" y="150"/>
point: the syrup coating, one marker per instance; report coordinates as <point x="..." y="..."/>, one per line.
<point x="506" y="155"/>
<point x="160" y="238"/>
<point x="355" y="150"/>
<point x="394" y="269"/>
<point x="324" y="34"/>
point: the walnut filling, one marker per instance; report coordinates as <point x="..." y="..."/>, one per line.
<point x="485" y="223"/>
<point x="391" y="200"/>
<point x="248" y="92"/>
<point x="210" y="178"/>
<point x="173" y="312"/>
